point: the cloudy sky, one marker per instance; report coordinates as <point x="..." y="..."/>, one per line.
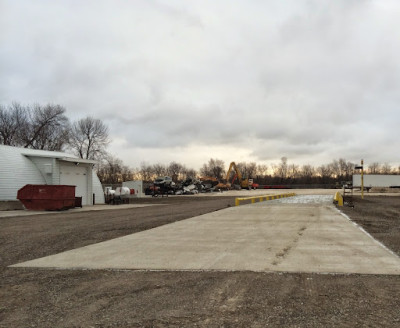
<point x="237" y="80"/>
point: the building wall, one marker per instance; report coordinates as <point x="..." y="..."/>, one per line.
<point x="16" y="171"/>
<point x="136" y="185"/>
<point x="97" y="189"/>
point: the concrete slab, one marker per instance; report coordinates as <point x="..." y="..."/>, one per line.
<point x="303" y="236"/>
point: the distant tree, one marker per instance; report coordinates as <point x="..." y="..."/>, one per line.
<point x="48" y="128"/>
<point x="175" y="169"/>
<point x="13" y="121"/>
<point x="307" y="173"/>
<point x="341" y="169"/>
<point x="214" y="168"/>
<point x="386" y="168"/>
<point x="89" y="138"/>
<point x="334" y="167"/>
<point x="293" y="172"/>
<point x="111" y="170"/>
<point x="159" y="169"/>
<point x="38" y="127"/>
<point x="325" y="173"/>
<point x="146" y="172"/>
<point x="261" y="170"/>
<point x="374" y="168"/>
<point x="248" y="170"/>
<point x="189" y="173"/>
<point x="281" y="170"/>
<point x="349" y="170"/>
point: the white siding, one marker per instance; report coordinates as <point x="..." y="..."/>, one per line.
<point x="15" y="172"/>
<point x="97" y="189"/>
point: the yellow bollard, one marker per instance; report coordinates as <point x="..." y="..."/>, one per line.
<point x="338" y="198"/>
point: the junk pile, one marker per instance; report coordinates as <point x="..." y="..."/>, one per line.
<point x="164" y="186"/>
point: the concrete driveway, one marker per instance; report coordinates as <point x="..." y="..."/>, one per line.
<point x="299" y="234"/>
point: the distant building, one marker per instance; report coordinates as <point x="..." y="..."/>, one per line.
<point x="21" y="166"/>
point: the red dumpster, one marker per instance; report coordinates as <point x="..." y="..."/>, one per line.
<point x="47" y="197"/>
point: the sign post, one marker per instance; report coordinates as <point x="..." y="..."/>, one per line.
<point x="362" y="179"/>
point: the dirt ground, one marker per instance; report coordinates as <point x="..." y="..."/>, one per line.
<point x="105" y="298"/>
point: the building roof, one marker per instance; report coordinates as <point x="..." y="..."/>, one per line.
<point x="47" y="153"/>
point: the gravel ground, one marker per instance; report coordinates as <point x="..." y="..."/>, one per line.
<point x="103" y="298"/>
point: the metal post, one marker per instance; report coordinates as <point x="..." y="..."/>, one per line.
<point x="362" y="179"/>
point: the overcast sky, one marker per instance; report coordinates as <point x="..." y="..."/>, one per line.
<point x="244" y="80"/>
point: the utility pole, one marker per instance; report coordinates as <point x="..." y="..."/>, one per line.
<point x="362" y="179"/>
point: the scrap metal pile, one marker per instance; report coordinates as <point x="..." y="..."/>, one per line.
<point x="191" y="186"/>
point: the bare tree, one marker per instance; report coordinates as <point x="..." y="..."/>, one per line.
<point x="334" y="167"/>
<point x="374" y="168"/>
<point x="307" y="172"/>
<point x="341" y="169"/>
<point x="281" y="170"/>
<point x="13" y="121"/>
<point x="159" y="169"/>
<point x="261" y="170"/>
<point x="174" y="170"/>
<point x="293" y="171"/>
<point x="188" y="173"/>
<point x="325" y="173"/>
<point x="89" y="138"/>
<point x="248" y="170"/>
<point x="38" y="127"/>
<point x="112" y="170"/>
<point x="214" y="168"/>
<point x="47" y="128"/>
<point x="386" y="168"/>
<point x="146" y="172"/>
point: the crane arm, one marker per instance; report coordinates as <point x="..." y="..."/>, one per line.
<point x="234" y="167"/>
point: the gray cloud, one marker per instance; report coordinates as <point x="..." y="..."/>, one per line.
<point x="309" y="80"/>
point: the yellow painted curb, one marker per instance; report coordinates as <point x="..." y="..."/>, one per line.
<point x="263" y="198"/>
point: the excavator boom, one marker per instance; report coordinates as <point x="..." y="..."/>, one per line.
<point x="244" y="183"/>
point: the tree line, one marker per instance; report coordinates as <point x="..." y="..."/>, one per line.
<point x="47" y="127"/>
<point x="282" y="173"/>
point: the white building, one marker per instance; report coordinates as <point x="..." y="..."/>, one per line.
<point x="21" y="166"/>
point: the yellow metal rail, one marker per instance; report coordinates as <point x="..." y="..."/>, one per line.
<point x="263" y="198"/>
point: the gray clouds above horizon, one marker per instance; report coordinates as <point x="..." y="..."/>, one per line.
<point x="309" y="80"/>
